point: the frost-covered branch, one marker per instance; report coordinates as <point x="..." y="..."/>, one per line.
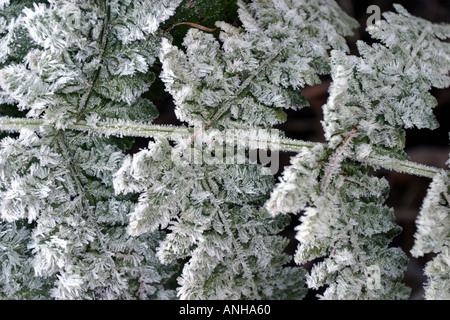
<point x="274" y="142"/>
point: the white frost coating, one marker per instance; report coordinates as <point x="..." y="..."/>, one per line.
<point x="58" y="208"/>
<point x="49" y="193"/>
<point x="141" y="19"/>
<point x="387" y="88"/>
<point x="215" y="219"/>
<point x="433" y="223"/>
<point x="17" y="270"/>
<point x="269" y="59"/>
<point x="4" y="3"/>
<point x="296" y="187"/>
<point x="340" y="230"/>
<point x="433" y="236"/>
<point x="343" y="218"/>
<point x="56" y="82"/>
<point x="64" y="213"/>
<point x="242" y="82"/>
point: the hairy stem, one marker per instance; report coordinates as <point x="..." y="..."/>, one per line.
<point x="402" y="166"/>
<point x="179" y="132"/>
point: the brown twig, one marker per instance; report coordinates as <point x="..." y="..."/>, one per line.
<point x="141" y="290"/>
<point x="192" y="25"/>
<point x="126" y="256"/>
<point x="334" y="162"/>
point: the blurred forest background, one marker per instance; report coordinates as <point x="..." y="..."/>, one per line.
<point x="423" y="146"/>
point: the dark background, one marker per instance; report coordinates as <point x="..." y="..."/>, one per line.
<point x="430" y="147"/>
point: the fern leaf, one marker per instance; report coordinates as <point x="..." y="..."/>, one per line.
<point x="433" y="236"/>
<point x="80" y="66"/>
<point x="372" y="98"/>
<point x="387" y="89"/>
<point x="215" y="220"/>
<point x="257" y="70"/>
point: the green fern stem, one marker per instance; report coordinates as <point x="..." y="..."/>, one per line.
<point x="283" y="144"/>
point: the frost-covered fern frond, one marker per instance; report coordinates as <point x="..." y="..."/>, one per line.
<point x="433" y="236"/>
<point x="88" y="61"/>
<point x="62" y="183"/>
<point x="79" y="219"/>
<point x="214" y="210"/>
<point x="371" y="99"/>
<point x="12" y="31"/>
<point x="215" y="220"/>
<point x="254" y="72"/>
<point x="15" y="265"/>
<point x="91" y="59"/>
<point x="387" y="88"/>
<point x="15" y="255"/>
<point x="344" y="223"/>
